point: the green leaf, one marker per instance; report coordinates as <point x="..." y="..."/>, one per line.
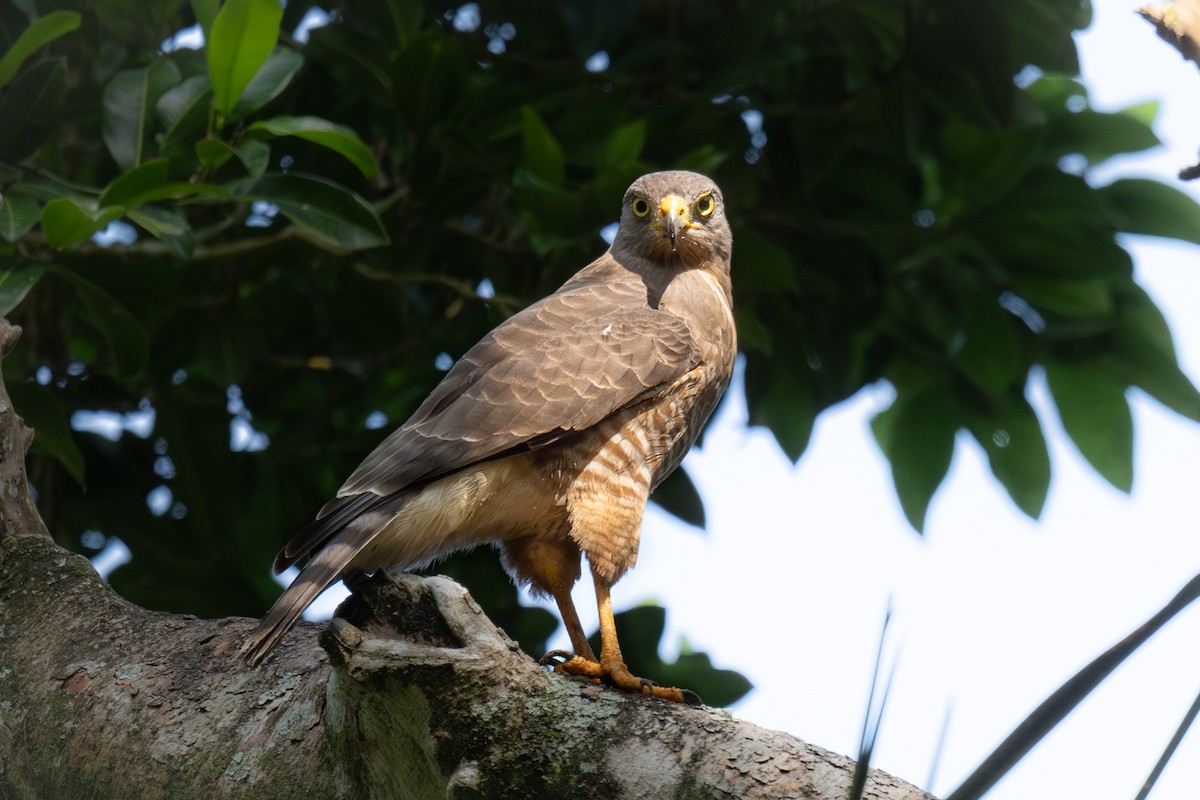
<point x="981" y="165"/>
<point x="205" y="12"/>
<point x="429" y="78"/>
<point x="212" y="153"/>
<point x="752" y="333"/>
<point x="1162" y="380"/>
<point x="168" y="226"/>
<point x="677" y="495"/>
<point x="130" y="99"/>
<point x="241" y="39"/>
<point x="18" y="213"/>
<point x="338" y="138"/>
<point x="269" y="82"/>
<point x="541" y="153"/>
<point x="1017" y="454"/>
<point x="1052" y="93"/>
<point x="126" y="339"/>
<point x="780" y="397"/>
<point x="41" y="32"/>
<point x="917" y="435"/>
<point x="1144" y="355"/>
<point x="763" y="265"/>
<point x="1071" y="298"/>
<point x="990" y="356"/>
<point x="363" y="59"/>
<point x="128" y="188"/>
<point x="960" y="61"/>
<point x="1144" y="113"/>
<point x="183" y="110"/>
<point x="1137" y="205"/>
<point x="1095" y="413"/>
<point x="148" y="183"/>
<point x="31" y="106"/>
<point x="398" y="21"/>
<point x="51" y="423"/>
<point x="65" y="222"/>
<point x="254" y="155"/>
<point x="1064" y="230"/>
<point x="624" y="145"/>
<point x="550" y="207"/>
<point x="1041" y="34"/>
<point x="1099" y="136"/>
<point x="323" y="209"/>
<point x="15" y="282"/>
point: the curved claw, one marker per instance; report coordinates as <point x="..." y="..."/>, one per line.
<point x="552" y="658"/>
<point x="617" y="675"/>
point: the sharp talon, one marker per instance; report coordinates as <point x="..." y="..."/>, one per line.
<point x="647" y="686"/>
<point x="691" y="698"/>
<point x="556" y="657"/>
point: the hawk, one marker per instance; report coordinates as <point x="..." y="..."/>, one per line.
<point x="548" y="436"/>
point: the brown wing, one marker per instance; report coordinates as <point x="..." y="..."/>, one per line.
<point x="561" y="365"/>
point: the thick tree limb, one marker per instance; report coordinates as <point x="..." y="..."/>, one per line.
<point x="418" y="695"/>
<point x="18" y="515"/>
<point x="1178" y="23"/>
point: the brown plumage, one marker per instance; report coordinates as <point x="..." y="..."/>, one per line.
<point x="548" y="436"/>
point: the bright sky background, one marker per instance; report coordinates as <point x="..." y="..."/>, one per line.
<point x="790" y="582"/>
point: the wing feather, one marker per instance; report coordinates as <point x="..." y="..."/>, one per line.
<point x="563" y="364"/>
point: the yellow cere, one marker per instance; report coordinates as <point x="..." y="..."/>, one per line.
<point x="674" y="202"/>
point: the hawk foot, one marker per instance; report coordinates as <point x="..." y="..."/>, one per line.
<point x="618" y="675"/>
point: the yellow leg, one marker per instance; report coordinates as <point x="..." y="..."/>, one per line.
<point x="611" y="667"/>
<point x="566" y="607"/>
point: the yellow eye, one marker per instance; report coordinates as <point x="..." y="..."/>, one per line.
<point x="640" y="207"/>
<point x="706" y="205"/>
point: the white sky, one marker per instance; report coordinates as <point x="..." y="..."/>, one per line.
<point x="992" y="611"/>
<point x="790" y="582"/>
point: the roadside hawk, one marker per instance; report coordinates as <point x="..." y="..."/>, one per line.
<point x="548" y="436"/>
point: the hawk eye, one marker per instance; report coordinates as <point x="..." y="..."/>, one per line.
<point x="706" y="205"/>
<point x="640" y="207"/>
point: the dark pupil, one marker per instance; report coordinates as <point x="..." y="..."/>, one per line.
<point x="640" y="206"/>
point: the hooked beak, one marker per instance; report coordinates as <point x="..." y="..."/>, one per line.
<point x="674" y="212"/>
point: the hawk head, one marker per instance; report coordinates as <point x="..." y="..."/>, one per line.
<point x="675" y="217"/>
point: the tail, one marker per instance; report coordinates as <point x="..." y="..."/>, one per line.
<point x="324" y="569"/>
<point x="340" y="532"/>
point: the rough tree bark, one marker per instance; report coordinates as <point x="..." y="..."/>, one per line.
<point x="416" y="694"/>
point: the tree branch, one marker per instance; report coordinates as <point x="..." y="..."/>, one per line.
<point x="1178" y="23"/>
<point x="18" y="514"/>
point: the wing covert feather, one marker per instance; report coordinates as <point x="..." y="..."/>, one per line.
<point x="562" y="364"/>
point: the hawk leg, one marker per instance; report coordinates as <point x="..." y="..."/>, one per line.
<point x="570" y="618"/>
<point x="611" y="666"/>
